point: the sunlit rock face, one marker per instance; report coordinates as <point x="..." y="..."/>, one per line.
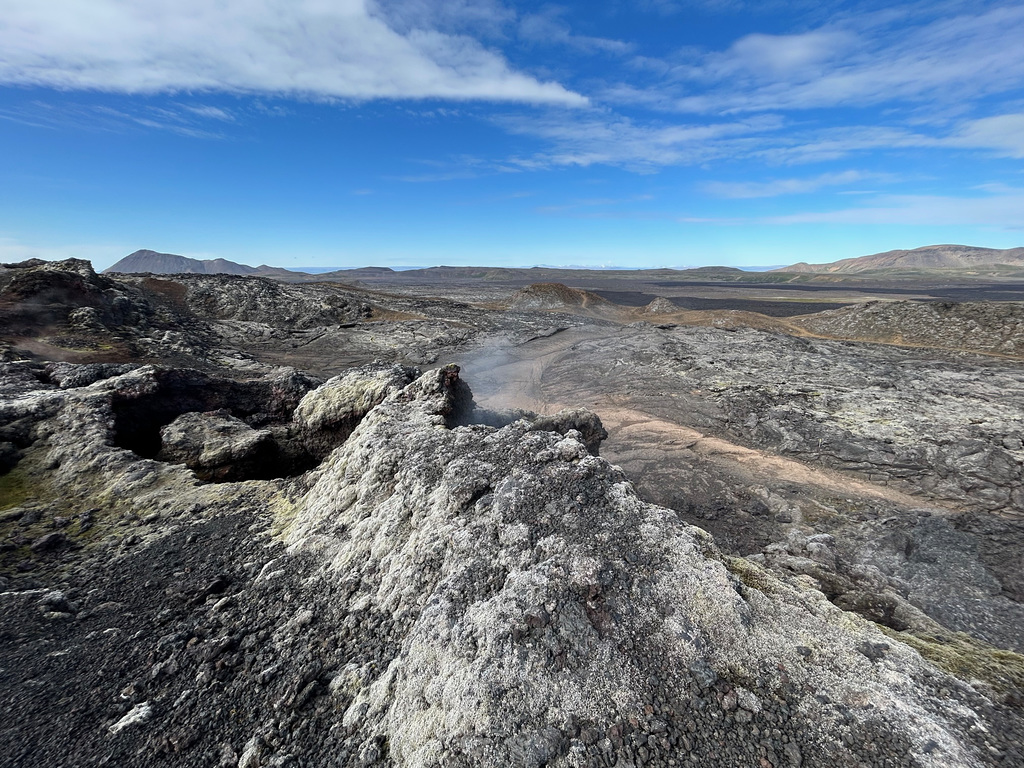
<point x="436" y="591"/>
<point x="540" y="613"/>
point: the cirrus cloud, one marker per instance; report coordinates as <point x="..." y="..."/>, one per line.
<point x="854" y="61"/>
<point x="793" y="186"/>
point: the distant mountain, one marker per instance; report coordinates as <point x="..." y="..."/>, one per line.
<point x="172" y="264"/>
<point x="928" y="257"/>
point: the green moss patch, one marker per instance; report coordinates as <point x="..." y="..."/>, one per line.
<point x="967" y="658"/>
<point x="14" y="489"/>
<point x="750" y="574"/>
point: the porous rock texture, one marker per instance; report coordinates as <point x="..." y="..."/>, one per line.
<point x="539" y="602"/>
<point x="214" y="445"/>
<point x="984" y="326"/>
<point x="436" y="593"/>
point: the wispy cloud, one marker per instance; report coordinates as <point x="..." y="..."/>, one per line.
<point x="592" y="203"/>
<point x="613" y="140"/>
<point x="999" y="134"/>
<point x="1003" y="134"/>
<point x="815" y="145"/>
<point x="792" y="186"/>
<point x="860" y="60"/>
<point x="212" y="113"/>
<point x="996" y="206"/>
<point x="999" y="210"/>
<point x="185" y="120"/>
<point x="343" y="49"/>
<point x="548" y="27"/>
<point x="602" y="138"/>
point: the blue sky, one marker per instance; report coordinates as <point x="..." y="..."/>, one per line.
<point x="420" y="132"/>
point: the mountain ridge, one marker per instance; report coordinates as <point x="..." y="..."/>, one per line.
<point x="943" y="257"/>
<point x="927" y="257"/>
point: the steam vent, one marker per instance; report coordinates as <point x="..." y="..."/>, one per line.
<point x="511" y="384"/>
<point x="373" y="571"/>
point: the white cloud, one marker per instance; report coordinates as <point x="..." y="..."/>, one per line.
<point x="185" y="120"/>
<point x="772" y="57"/>
<point x="549" y="28"/>
<point x="592" y="137"/>
<point x="614" y="140"/>
<point x="860" y="61"/>
<point x="822" y="145"/>
<point x="213" y="113"/>
<point x="305" y="48"/>
<point x="1003" y="133"/>
<point x="793" y="186"/>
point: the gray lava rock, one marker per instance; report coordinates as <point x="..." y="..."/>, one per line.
<point x="342" y="401"/>
<point x="559" y="596"/>
<point x="585" y="422"/>
<point x="985" y="326"/>
<point x="436" y="592"/>
<point x="215" y="445"/>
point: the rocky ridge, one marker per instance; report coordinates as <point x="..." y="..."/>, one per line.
<point x="436" y="592"/>
<point x="65" y="311"/>
<point x="995" y="327"/>
<point x="555" y="296"/>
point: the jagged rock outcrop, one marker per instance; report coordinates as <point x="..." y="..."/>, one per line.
<point x="343" y="400"/>
<point x="436" y="592"/>
<point x="559" y="599"/>
<point x="38" y="293"/>
<point x="64" y="310"/>
<point x="586" y="422"/>
<point x="271" y="303"/>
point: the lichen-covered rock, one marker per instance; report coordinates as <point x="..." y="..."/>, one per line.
<point x="343" y="400"/>
<point x="216" y="445"/>
<point x="540" y="613"/>
<point x="446" y="594"/>
<point x="67" y="375"/>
